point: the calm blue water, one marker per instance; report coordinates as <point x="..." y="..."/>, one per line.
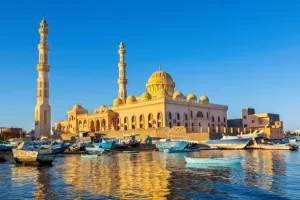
<point x="156" y="175"/>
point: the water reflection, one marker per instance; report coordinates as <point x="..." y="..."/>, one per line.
<point x="154" y="175"/>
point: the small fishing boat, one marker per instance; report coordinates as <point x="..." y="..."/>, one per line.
<point x="30" y="156"/>
<point x="94" y="149"/>
<point x="229" y="143"/>
<point x="55" y="147"/>
<point x="89" y="155"/>
<point x="171" y="144"/>
<point x="214" y="160"/>
<point x="6" y="147"/>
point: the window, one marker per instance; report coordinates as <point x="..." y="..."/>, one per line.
<point x="178" y="116"/>
<point x="245" y="125"/>
<point x="199" y="114"/>
<point x="185" y="116"/>
<point x="207" y="116"/>
<point x="170" y="115"/>
<point x="186" y="125"/>
<point x="245" y="117"/>
<point x="191" y="114"/>
<point x="199" y="124"/>
<point x="45" y="117"/>
<point x="178" y="123"/>
<point x="219" y="119"/>
<point x="213" y="119"/>
<point x="253" y="121"/>
<point x="224" y="119"/>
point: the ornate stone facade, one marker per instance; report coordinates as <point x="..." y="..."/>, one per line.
<point x="157" y="108"/>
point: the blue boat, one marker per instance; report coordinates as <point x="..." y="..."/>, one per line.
<point x="169" y="144"/>
<point x="6" y="147"/>
<point x="105" y="144"/>
<point x="232" y="143"/>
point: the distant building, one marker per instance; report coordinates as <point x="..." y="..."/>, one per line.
<point x="268" y="121"/>
<point x="8" y="133"/>
<point x="297" y="131"/>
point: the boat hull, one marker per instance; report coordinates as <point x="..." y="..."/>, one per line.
<point x="53" y="151"/>
<point x="239" y="143"/>
<point x="279" y="147"/>
<point x="4" y="147"/>
<point x="214" y="160"/>
<point x="31" y="157"/>
<point x="174" y="145"/>
<point x="94" y="149"/>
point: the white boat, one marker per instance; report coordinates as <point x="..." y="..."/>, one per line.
<point x="234" y="143"/>
<point x="214" y="160"/>
<point x="95" y="149"/>
<point x="31" y="156"/>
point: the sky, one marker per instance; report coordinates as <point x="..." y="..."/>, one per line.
<point x="238" y="53"/>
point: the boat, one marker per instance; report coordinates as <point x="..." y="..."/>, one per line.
<point x="295" y="141"/>
<point x="5" y="146"/>
<point x="130" y="141"/>
<point x="234" y="143"/>
<point x="171" y="144"/>
<point x="89" y="155"/>
<point x="31" y="156"/>
<point x="272" y="146"/>
<point x="192" y="150"/>
<point x="106" y="143"/>
<point x="214" y="160"/>
<point x="55" y="147"/>
<point x="94" y="149"/>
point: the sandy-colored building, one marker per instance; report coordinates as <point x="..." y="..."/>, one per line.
<point x="160" y="106"/>
<point x="268" y="121"/>
<point x="8" y="133"/>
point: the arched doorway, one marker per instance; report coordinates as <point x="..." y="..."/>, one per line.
<point x="92" y="126"/>
<point x="103" y="125"/>
<point x="159" y="120"/>
<point x="142" y="121"/>
<point x="97" y="125"/>
<point x="150" y="120"/>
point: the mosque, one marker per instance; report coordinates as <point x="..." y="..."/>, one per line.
<point x="157" y="108"/>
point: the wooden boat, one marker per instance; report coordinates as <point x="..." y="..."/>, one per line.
<point x="89" y="155"/>
<point x="31" y="156"/>
<point x="214" y="160"/>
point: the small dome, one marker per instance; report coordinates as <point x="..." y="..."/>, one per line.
<point x="102" y="106"/>
<point x="162" y="94"/>
<point x="76" y="107"/>
<point x="178" y="95"/>
<point x="145" y="96"/>
<point x="117" y="102"/>
<point x="130" y="99"/>
<point x="204" y="99"/>
<point x="191" y="97"/>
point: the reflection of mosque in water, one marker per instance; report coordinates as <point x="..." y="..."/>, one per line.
<point x="119" y="175"/>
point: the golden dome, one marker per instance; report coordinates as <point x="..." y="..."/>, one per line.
<point x="160" y="80"/>
<point x="130" y="99"/>
<point x="191" y="97"/>
<point x="145" y="96"/>
<point x="162" y="94"/>
<point x="204" y="99"/>
<point x="178" y="95"/>
<point x="117" y="102"/>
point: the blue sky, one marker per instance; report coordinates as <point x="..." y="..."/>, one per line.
<point x="238" y="53"/>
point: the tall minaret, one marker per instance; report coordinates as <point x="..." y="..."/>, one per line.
<point x="42" y="108"/>
<point x="122" y="81"/>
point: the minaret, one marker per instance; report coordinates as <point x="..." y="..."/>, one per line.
<point x="122" y="81"/>
<point x="42" y="108"/>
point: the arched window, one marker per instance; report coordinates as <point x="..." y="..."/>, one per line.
<point x="150" y="120"/>
<point x="170" y="115"/>
<point x="178" y="116"/>
<point x="125" y="123"/>
<point x="219" y="120"/>
<point x="207" y="116"/>
<point x="185" y="116"/>
<point x="213" y="119"/>
<point x="191" y="114"/>
<point x="199" y="124"/>
<point x="159" y="120"/>
<point x="199" y="114"/>
<point x="45" y="117"/>
<point x="133" y="122"/>
<point x="142" y="121"/>
<point x="224" y="119"/>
